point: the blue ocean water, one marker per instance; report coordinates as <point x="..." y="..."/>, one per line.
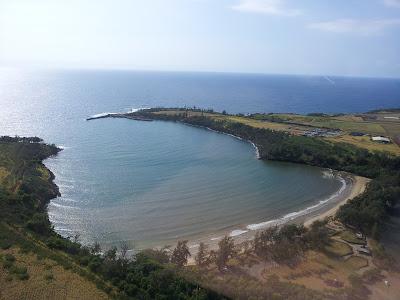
<point x="151" y="183"/>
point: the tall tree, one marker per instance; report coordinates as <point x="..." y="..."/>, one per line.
<point x="180" y="254"/>
<point x="226" y="250"/>
<point x="201" y="257"/>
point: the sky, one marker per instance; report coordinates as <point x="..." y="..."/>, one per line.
<point x="324" y="37"/>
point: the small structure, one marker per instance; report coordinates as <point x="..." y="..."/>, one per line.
<point x="355" y="133"/>
<point x="381" y="139"/>
<point x="363" y="250"/>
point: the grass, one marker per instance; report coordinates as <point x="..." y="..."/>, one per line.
<point x="350" y="237"/>
<point x="337" y="248"/>
<point x="356" y="262"/>
<point x="3" y="173"/>
<point x="28" y="278"/>
<point x="345" y="123"/>
<point x="366" y="143"/>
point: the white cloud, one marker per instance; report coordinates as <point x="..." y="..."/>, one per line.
<point x="392" y="3"/>
<point x="353" y="26"/>
<point x="269" y="7"/>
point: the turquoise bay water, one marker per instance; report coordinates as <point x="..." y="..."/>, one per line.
<point x="151" y="183"/>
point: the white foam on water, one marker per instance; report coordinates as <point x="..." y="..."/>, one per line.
<point x="63" y="186"/>
<point x="104" y="114"/>
<point x="137" y="109"/>
<point x="237" y="232"/>
<point x="62" y="147"/>
<point x="328" y="173"/>
<point x="63" y="229"/>
<point x="63" y="206"/>
<point x="69" y="200"/>
<point x="296" y="214"/>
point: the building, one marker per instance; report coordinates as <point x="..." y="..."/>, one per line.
<point x="381" y="139"/>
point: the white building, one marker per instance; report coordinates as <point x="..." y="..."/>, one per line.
<point x="381" y="139"/>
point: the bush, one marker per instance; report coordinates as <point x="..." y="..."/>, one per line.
<point x="39" y="223"/>
<point x="5" y="244"/>
<point x="23" y="276"/>
<point x="49" y="276"/>
<point x="7" y="264"/>
<point x="9" y="257"/>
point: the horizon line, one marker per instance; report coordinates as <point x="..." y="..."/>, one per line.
<point x="132" y="69"/>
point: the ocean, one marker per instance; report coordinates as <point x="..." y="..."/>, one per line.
<point x="152" y="183"/>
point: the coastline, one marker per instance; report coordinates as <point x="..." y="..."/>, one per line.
<point x="359" y="185"/>
<point x="352" y="186"/>
<point x="356" y="186"/>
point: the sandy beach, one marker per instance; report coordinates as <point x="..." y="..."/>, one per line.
<point x="356" y="185"/>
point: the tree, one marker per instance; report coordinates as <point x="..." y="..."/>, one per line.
<point x="264" y="240"/>
<point x="317" y="237"/>
<point x="226" y="250"/>
<point x="292" y="231"/>
<point x="111" y="254"/>
<point x="124" y="250"/>
<point x="201" y="257"/>
<point x="160" y="255"/>
<point x="285" y="251"/>
<point x="95" y="249"/>
<point x="180" y="254"/>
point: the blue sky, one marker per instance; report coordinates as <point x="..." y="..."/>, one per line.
<point x="340" y="37"/>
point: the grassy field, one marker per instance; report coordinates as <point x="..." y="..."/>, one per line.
<point x="339" y="249"/>
<point x="346" y="123"/>
<point x="366" y="143"/>
<point x="350" y="237"/>
<point x="45" y="279"/>
<point x="356" y="262"/>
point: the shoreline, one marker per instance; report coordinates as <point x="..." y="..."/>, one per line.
<point x="359" y="185"/>
<point x="352" y="186"/>
<point x="356" y="186"/>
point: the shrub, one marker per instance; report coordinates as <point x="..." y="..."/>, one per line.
<point x="49" y="276"/>
<point x="9" y="257"/>
<point x="39" y="223"/>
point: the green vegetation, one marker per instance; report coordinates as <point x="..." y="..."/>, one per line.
<point x="26" y="187"/>
<point x="346" y="123"/>
<point x="339" y="249"/>
<point x="350" y="237"/>
<point x="356" y="262"/>
<point x="221" y="269"/>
